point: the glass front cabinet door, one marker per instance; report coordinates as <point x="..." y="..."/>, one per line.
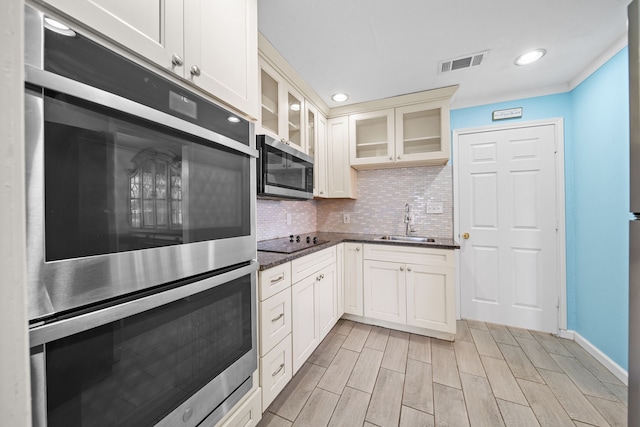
<point x="422" y="133"/>
<point x="371" y="137"/>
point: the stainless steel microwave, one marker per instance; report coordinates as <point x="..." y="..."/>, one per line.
<point x="283" y="172"/>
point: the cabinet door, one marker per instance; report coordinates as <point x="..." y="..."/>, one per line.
<point x="221" y="50"/>
<point x="149" y="28"/>
<point x="320" y="164"/>
<point x="341" y="177"/>
<point x="305" y="331"/>
<point x="385" y="291"/>
<point x="327" y="299"/>
<point x="270" y="88"/>
<point x="431" y="297"/>
<point x="371" y="138"/>
<point x="311" y="129"/>
<point x="292" y="118"/>
<point x="422" y="133"/>
<point x="353" y="288"/>
<point x="340" y="280"/>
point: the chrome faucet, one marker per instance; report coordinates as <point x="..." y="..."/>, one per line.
<point x="407" y="219"/>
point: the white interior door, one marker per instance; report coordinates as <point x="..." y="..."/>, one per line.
<point x="508" y="206"/>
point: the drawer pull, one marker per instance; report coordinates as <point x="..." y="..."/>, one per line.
<point x="277" y="279"/>
<point x="280" y="368"/>
<point x="280" y="316"/>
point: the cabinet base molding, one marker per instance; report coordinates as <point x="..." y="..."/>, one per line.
<point x="399" y="327"/>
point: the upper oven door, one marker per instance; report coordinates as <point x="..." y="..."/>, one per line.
<point x="122" y="197"/>
<point x="285" y="171"/>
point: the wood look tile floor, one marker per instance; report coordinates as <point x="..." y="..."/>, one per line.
<point x="492" y="375"/>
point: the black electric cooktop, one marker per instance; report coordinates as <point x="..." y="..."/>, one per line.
<point x="287" y="245"/>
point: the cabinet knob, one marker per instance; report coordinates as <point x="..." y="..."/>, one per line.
<point x="401" y="268"/>
<point x="358" y="249"/>
<point x="408" y="268"/>
<point x="390" y="157"/>
<point x="398" y="157"/>
<point x="195" y="70"/>
<point x="176" y="60"/>
<point x="322" y="192"/>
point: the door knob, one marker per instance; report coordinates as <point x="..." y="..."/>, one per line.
<point x="465" y="235"/>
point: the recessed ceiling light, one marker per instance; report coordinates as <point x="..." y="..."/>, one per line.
<point x="295" y="107"/>
<point x="340" y="97"/>
<point x="530" y="57"/>
<point x="233" y="119"/>
<point x="58" y="27"/>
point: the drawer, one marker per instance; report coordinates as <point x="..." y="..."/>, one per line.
<point x="275" y="371"/>
<point x="274" y="280"/>
<point x="410" y="255"/>
<point x="312" y="263"/>
<point x="275" y="320"/>
<point x="248" y="414"/>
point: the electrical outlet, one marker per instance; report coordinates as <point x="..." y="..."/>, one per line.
<point x="435" y="208"/>
<point x="346" y="218"/>
<point x="288" y="219"/>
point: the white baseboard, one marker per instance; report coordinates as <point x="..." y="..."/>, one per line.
<point x="606" y="361"/>
<point x="570" y="335"/>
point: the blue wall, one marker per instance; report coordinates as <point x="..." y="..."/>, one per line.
<point x="596" y="145"/>
<point x="601" y="214"/>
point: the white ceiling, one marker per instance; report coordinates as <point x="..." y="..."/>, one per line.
<point x="374" y="49"/>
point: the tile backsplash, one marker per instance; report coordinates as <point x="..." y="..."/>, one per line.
<point x="272" y="218"/>
<point x="382" y="195"/>
<point x="379" y="208"/>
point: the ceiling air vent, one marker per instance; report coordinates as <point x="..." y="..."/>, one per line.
<point x="462" y="62"/>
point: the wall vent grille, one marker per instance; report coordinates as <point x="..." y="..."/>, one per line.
<point x="462" y="62"/>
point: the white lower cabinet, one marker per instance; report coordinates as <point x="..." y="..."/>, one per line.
<point x="275" y="371"/>
<point x="431" y="297"/>
<point x="385" y="294"/>
<point x="327" y="299"/>
<point x="314" y="302"/>
<point x="248" y="414"/>
<point x="340" y="279"/>
<point x="274" y="330"/>
<point x="306" y="330"/>
<point x="409" y="287"/>
<point x="352" y="277"/>
<point x="275" y="320"/>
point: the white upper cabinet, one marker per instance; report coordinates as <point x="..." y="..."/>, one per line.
<point x="403" y="131"/>
<point x="341" y="178"/>
<point x="211" y="44"/>
<point x="282" y="109"/>
<point x="221" y="50"/>
<point x="295" y="122"/>
<point x="270" y="84"/>
<point x="371" y="137"/>
<point x="422" y="133"/>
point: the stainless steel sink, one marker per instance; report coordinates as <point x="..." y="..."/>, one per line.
<point x="409" y="239"/>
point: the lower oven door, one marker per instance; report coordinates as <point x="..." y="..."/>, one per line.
<point x="171" y="358"/>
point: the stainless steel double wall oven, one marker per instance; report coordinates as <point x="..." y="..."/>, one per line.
<point x="141" y="240"/>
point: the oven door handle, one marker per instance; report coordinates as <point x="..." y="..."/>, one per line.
<point x="49" y="80"/>
<point x="63" y="328"/>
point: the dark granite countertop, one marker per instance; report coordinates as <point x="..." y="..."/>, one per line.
<point x="271" y="259"/>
